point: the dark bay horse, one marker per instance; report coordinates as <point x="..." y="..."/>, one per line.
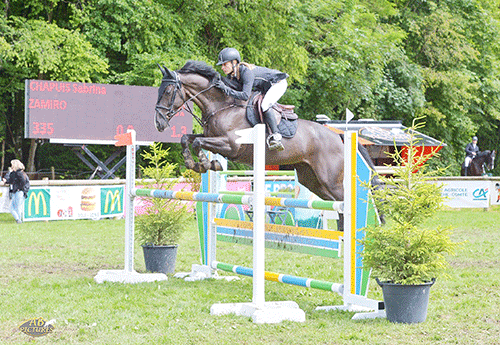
<point x="478" y="163"/>
<point x="316" y="152"/>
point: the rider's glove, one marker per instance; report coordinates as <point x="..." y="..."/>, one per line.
<point x="220" y="85"/>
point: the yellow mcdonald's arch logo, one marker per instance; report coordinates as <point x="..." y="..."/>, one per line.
<point x="115" y="200"/>
<point x="37" y="197"/>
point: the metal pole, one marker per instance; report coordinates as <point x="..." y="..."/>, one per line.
<point x="129" y="208"/>
<point x="259" y="167"/>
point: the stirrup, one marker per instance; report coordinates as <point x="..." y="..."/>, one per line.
<point x="274" y="142"/>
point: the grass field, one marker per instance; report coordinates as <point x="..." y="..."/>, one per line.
<point x="47" y="270"/>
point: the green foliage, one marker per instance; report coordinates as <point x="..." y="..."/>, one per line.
<point x="164" y="220"/>
<point x="403" y="251"/>
<point x="193" y="178"/>
<point x="37" y="49"/>
<point x="349" y="46"/>
<point x="382" y="59"/>
<point x="456" y="44"/>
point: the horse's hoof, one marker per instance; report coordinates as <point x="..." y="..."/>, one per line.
<point x="205" y="164"/>
<point x="200" y="168"/>
<point x="189" y="165"/>
<point x="216" y="166"/>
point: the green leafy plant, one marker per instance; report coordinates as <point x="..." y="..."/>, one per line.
<point x="164" y="219"/>
<point x="403" y="251"/>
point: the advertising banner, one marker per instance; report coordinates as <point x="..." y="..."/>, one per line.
<point x="466" y="194"/>
<point x="74" y="202"/>
<point x="4" y="200"/>
<point x="495" y="193"/>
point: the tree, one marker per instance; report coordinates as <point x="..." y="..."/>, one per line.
<point x="455" y="43"/>
<point x="348" y="46"/>
<point x="35" y="49"/>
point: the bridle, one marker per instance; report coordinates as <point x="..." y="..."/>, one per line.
<point x="170" y="112"/>
<point x="173" y="79"/>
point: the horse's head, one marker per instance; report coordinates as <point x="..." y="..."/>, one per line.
<point x="490" y="161"/>
<point x="197" y="80"/>
<point x="170" y="98"/>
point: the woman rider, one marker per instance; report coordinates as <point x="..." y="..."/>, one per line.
<point x="247" y="78"/>
<point x="471" y="150"/>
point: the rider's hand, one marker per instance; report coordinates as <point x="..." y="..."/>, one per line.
<point x="220" y="85"/>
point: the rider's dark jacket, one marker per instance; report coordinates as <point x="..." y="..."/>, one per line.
<point x="256" y="79"/>
<point x="470" y="149"/>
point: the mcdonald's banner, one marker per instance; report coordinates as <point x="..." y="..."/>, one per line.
<point x="113" y="201"/>
<point x="74" y="202"/>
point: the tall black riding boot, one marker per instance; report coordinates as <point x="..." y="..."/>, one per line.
<point x="465" y="171"/>
<point x="273" y="140"/>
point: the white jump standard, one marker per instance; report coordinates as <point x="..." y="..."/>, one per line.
<point x="128" y="274"/>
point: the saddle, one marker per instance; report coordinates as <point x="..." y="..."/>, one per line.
<point x="286" y="118"/>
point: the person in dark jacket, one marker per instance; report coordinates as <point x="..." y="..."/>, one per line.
<point x="243" y="78"/>
<point x="18" y="190"/>
<point x="471" y="150"/>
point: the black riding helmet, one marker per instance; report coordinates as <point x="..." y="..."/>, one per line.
<point x="228" y="54"/>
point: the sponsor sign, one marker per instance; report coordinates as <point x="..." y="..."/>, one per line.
<point x="37" y="204"/>
<point x="466" y="194"/>
<point x="495" y="192"/>
<point x="4" y="200"/>
<point x="112" y="201"/>
<point x="73" y="202"/>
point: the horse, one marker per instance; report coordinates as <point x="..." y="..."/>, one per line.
<point x="478" y="163"/>
<point x="316" y="152"/>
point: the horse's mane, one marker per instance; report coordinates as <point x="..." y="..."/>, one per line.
<point x="484" y="153"/>
<point x="199" y="67"/>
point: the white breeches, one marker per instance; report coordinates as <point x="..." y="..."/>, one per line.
<point x="467" y="161"/>
<point x="274" y="94"/>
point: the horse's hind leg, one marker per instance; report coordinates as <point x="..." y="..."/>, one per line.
<point x="325" y="183"/>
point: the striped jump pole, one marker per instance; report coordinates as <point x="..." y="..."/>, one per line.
<point x="259" y="310"/>
<point x="355" y="210"/>
<point x="282" y="278"/>
<point x="251" y="172"/>
<point x="245" y="199"/>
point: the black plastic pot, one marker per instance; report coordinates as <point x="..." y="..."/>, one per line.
<point x="406" y="303"/>
<point x="160" y="259"/>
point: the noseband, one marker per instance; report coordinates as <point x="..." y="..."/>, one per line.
<point x="165" y="82"/>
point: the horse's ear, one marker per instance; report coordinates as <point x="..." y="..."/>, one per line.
<point x="161" y="69"/>
<point x="168" y="74"/>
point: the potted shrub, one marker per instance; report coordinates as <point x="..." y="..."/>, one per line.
<point x="405" y="256"/>
<point x="163" y="221"/>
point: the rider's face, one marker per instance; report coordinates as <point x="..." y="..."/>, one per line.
<point x="227" y="67"/>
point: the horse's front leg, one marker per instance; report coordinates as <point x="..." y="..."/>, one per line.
<point x="221" y="145"/>
<point x="186" y="140"/>
<point x="204" y="164"/>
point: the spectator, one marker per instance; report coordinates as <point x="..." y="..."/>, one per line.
<point x="18" y="190"/>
